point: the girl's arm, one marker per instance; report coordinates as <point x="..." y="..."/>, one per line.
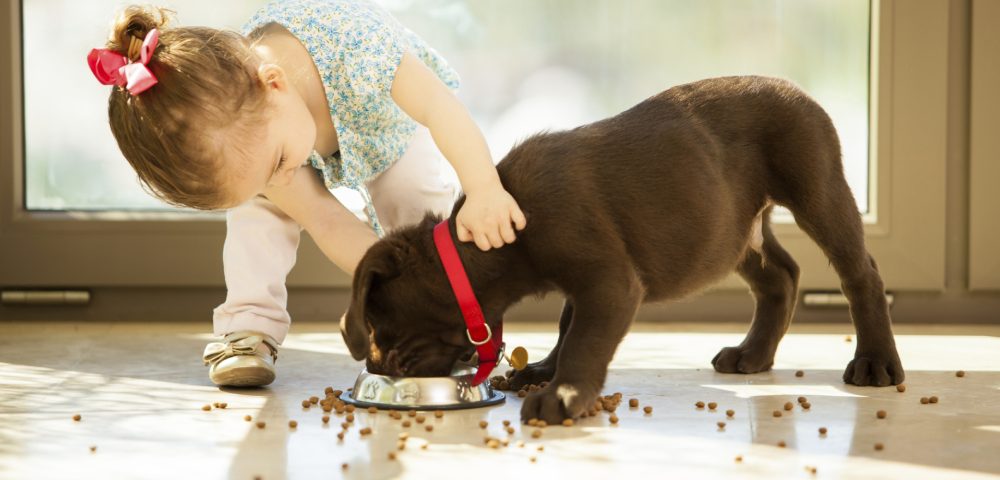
<point x="341" y="236"/>
<point x="489" y="211"/>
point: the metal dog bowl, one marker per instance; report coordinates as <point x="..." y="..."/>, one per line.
<point x="422" y="393"/>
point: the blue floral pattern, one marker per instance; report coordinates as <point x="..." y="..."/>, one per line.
<point x="357" y="47"/>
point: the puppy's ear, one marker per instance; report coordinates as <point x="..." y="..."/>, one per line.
<point x="430" y="220"/>
<point x="379" y="263"/>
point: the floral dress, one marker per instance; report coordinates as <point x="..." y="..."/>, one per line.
<point x="356" y="47"/>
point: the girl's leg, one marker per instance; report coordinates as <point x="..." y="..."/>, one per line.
<point x="260" y="248"/>
<point x="419" y="182"/>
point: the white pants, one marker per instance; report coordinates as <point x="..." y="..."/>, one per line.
<point x="261" y="241"/>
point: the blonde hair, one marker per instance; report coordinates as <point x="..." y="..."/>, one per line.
<point x="207" y="83"/>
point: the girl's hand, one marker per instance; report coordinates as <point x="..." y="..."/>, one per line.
<point x="486" y="218"/>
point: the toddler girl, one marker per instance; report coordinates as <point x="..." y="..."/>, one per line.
<point x="315" y="94"/>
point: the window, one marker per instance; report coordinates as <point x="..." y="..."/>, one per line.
<point x="527" y="66"/>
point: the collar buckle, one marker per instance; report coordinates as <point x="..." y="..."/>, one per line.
<point x="489" y="335"/>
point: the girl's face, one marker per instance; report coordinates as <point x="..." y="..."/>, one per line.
<point x="288" y="138"/>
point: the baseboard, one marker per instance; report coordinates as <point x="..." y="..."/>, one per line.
<point x="327" y="304"/>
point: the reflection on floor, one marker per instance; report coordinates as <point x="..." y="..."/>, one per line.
<point x="140" y="390"/>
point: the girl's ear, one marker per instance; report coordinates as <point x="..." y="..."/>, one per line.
<point x="272" y="76"/>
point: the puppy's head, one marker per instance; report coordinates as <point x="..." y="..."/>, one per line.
<point x="403" y="318"/>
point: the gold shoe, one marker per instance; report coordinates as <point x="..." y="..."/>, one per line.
<point x="241" y="361"/>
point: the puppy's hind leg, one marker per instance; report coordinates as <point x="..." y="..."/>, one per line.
<point x="773" y="278"/>
<point x="543" y="370"/>
<point x="833" y="221"/>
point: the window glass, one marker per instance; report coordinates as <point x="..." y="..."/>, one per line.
<point x="526" y="66"/>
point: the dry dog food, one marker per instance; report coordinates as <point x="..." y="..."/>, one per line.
<point x="901" y="388"/>
<point x="206" y="407"/>
<point x="340" y="435"/>
<point x="933" y="399"/>
<point x="802" y="399"/>
<point x="521" y="394"/>
<point x="247" y="417"/>
<point x="788" y="406"/>
<point x="634" y="403"/>
<point x="365" y="431"/>
<point x="613" y="419"/>
<point x="541" y="448"/>
<point x="345" y="425"/>
<point x="343" y="466"/>
<point x="647" y="409"/>
<point x="77" y="417"/>
<point x="306" y="404"/>
<point x="392" y="455"/>
<point x="730" y="413"/>
<point x="372" y="410"/>
<point x="537" y="433"/>
<point x="806" y="405"/>
<point x="483" y="424"/>
<point x="411" y="413"/>
<point x="314" y="400"/>
<point x="739" y="459"/>
<point x="925" y="400"/>
<point x="822" y="430"/>
<point x="406" y="423"/>
<point x="532" y="459"/>
<point x="420" y="418"/>
<point x="880" y="414"/>
<point x="712" y="405"/>
<point x="541" y="424"/>
<point x="960" y="373"/>
<point x="721" y="425"/>
<point x="350" y="408"/>
<point x="799" y="373"/>
<point x="493" y="443"/>
<point x="506" y="423"/>
<point x="349" y="417"/>
<point x="326" y="419"/>
<point x="879" y="446"/>
<point x="93" y="448"/>
<point x="438" y="413"/>
<point x="293" y="424"/>
<point x="261" y="424"/>
<point x="781" y="443"/>
<point x="429" y="427"/>
<point x="777" y="413"/>
<point x="569" y="421"/>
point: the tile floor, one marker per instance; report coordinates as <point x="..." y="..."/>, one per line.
<point x="140" y="389"/>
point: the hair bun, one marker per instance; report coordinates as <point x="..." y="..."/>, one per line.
<point x="135" y="21"/>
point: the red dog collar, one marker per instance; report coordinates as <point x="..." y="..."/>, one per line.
<point x="490" y="343"/>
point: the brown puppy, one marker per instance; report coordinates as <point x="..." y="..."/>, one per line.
<point x="653" y="204"/>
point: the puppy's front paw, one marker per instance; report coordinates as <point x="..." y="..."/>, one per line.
<point x="742" y="360"/>
<point x="532" y="374"/>
<point x="877" y="369"/>
<point x="557" y="402"/>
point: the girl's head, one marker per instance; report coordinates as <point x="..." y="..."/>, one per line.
<point x="207" y="134"/>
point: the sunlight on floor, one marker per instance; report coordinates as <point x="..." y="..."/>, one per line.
<point x="141" y="392"/>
